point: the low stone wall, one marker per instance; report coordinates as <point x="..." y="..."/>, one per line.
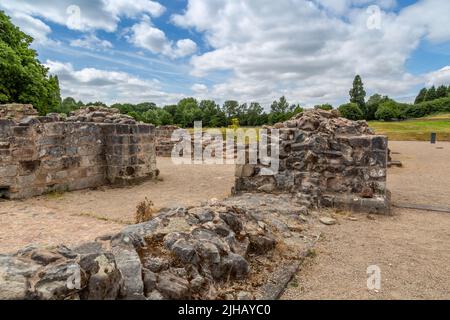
<point x="164" y="143"/>
<point x="17" y="111"/>
<point x="44" y="154"/>
<point x="328" y="161"/>
<point x="226" y="250"/>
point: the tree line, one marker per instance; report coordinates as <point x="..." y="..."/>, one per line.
<point x="189" y="110"/>
<point x="379" y="107"/>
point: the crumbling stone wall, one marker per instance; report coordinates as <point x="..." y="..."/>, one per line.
<point x="44" y="154"/>
<point x="328" y="161"/>
<point x="17" y="111"/>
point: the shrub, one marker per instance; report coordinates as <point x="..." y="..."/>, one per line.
<point x="387" y="111"/>
<point x="326" y="106"/>
<point x="144" y="211"/>
<point x="351" y="111"/>
<point x="428" y="107"/>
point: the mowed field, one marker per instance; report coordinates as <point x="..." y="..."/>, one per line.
<point x="415" y="129"/>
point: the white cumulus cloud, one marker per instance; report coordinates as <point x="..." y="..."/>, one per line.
<point x="439" y="77"/>
<point x="92" y="84"/>
<point x="85" y="15"/>
<point x="145" y="35"/>
<point x="92" y="42"/>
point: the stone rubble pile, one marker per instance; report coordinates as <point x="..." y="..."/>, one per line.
<point x="17" y="111"/>
<point x="214" y="251"/>
<point x="324" y="122"/>
<point x="100" y="115"/>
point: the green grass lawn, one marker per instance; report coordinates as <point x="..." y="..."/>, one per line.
<point x="415" y="129"/>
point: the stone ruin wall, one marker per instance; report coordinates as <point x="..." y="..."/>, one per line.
<point x="164" y="144"/>
<point x="327" y="161"/>
<point x="17" y="111"/>
<point x="45" y="154"/>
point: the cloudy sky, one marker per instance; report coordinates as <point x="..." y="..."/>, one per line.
<point x="248" y="50"/>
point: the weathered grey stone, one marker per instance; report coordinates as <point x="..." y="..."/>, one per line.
<point x="173" y="287"/>
<point x="244" y="295"/>
<point x="268" y="188"/>
<point x="150" y="280"/>
<point x="244" y="170"/>
<point x="185" y="251"/>
<point x="261" y="244"/>
<point x="156" y="264"/>
<point x="129" y="264"/>
<point x="198" y="284"/>
<point x="60" y="281"/>
<point x="233" y="221"/>
<point x="202" y="214"/>
<point x="155" y="295"/>
<point x="14" y="274"/>
<point x="209" y="254"/>
<point x="328" y="221"/>
<point x="104" y="281"/>
<point x="235" y="266"/>
<point x="45" y="257"/>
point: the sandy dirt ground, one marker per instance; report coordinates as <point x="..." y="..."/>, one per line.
<point x="412" y="248"/>
<point x="425" y="175"/>
<point x="80" y="216"/>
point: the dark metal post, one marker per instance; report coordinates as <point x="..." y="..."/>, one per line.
<point x="433" y="138"/>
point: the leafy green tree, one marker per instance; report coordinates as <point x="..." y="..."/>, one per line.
<point x="150" y="116"/>
<point x="441" y="92"/>
<point x="219" y="120"/>
<point x="165" y="118"/>
<point x="242" y="114"/>
<point x="68" y="104"/>
<point x="97" y="104"/>
<point x="145" y="106"/>
<point x="326" y="106"/>
<point x="431" y="94"/>
<point x="53" y="99"/>
<point x="254" y="114"/>
<point x="187" y="112"/>
<point x="172" y="109"/>
<point x="421" y="96"/>
<point x="230" y="108"/>
<point x="373" y="104"/>
<point x="281" y="106"/>
<point x="23" y="79"/>
<point x="388" y="110"/>
<point x="351" y="111"/>
<point x="358" y="94"/>
<point x="280" y="111"/>
<point x="298" y="109"/>
<point x="210" y="111"/>
<point x="235" y="124"/>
